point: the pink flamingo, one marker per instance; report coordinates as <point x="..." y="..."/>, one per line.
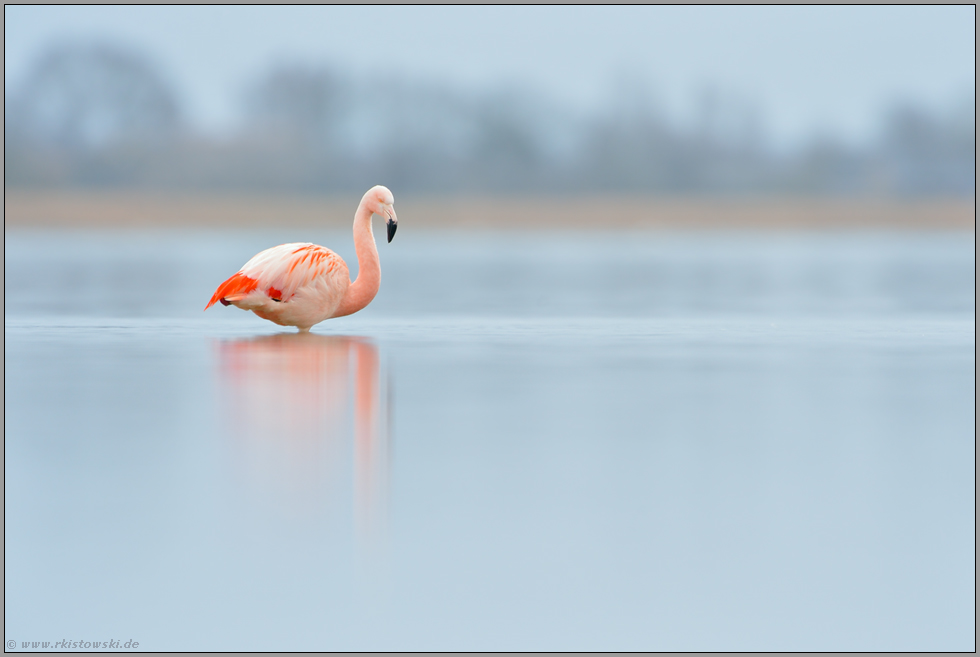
<point x="302" y="284"/>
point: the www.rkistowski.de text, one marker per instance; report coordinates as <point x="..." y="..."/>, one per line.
<point x="66" y="644"/>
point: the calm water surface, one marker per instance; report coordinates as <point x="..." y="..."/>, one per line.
<point x="619" y="441"/>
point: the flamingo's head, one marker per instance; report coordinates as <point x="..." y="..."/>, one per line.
<point x="380" y="202"/>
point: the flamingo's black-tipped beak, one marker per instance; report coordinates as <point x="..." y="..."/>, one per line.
<point x="392" y="224"/>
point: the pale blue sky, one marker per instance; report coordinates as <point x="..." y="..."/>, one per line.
<point x="807" y="68"/>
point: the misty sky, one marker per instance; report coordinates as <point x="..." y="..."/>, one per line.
<point x="828" y="69"/>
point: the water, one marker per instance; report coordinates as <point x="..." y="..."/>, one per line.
<point x="585" y="441"/>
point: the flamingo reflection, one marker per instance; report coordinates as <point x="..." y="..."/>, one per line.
<point x="287" y="400"/>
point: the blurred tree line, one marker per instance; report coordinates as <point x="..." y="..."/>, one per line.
<point x="100" y="116"/>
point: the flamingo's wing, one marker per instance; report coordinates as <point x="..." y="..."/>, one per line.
<point x="235" y="288"/>
<point x="278" y="272"/>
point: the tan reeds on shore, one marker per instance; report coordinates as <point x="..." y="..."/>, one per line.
<point x="79" y="209"/>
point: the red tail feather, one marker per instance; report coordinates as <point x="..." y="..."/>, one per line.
<point x="237" y="286"/>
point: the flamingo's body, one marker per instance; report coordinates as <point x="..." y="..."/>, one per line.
<point x="302" y="284"/>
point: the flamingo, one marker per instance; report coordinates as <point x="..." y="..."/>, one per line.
<point x="301" y="284"/>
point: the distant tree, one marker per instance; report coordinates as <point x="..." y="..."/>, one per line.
<point x="89" y="97"/>
<point x="295" y="102"/>
<point x="929" y="152"/>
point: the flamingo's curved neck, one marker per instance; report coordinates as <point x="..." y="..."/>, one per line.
<point x="365" y="287"/>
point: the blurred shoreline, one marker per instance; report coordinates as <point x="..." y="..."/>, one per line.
<point x="124" y="209"/>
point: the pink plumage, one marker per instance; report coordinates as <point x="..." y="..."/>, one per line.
<point x="302" y="284"/>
